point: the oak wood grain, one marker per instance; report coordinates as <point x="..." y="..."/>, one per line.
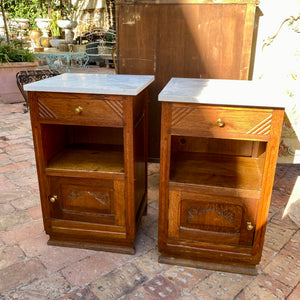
<point x="215" y="188"/>
<point x="216" y="170"/>
<point x="92" y="167"/>
<point x="184" y="38"/>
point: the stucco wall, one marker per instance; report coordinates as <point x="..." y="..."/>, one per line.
<point x="92" y="12"/>
<point x="278" y="62"/>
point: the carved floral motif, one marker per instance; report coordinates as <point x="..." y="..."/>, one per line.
<point x="228" y="214"/>
<point x="101" y="197"/>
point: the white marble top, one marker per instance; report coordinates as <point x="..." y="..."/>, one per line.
<point x="222" y="92"/>
<point x="108" y="84"/>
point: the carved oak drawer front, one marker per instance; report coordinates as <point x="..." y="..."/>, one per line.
<point x="212" y="121"/>
<point x="79" y="110"/>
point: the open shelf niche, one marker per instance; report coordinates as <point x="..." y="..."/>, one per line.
<point x="234" y="164"/>
<point x="83" y="148"/>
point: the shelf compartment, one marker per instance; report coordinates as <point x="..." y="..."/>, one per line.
<point x="226" y="171"/>
<point x="89" y="158"/>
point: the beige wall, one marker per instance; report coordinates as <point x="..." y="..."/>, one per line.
<point x="91" y="12"/>
<point x="275" y="58"/>
<point x="277" y="62"/>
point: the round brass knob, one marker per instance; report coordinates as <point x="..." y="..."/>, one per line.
<point x="78" y="110"/>
<point x="249" y="226"/>
<point x="53" y="198"/>
<point x="220" y="123"/>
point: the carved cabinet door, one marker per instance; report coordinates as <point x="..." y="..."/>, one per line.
<point x="87" y="200"/>
<point x="211" y="218"/>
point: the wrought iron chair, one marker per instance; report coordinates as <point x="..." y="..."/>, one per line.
<point x="24" y="77"/>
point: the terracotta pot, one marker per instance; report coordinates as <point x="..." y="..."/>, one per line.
<point x="9" y="91"/>
<point x="34" y="34"/>
<point x="44" y="41"/>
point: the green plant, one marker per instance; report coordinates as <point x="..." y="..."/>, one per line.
<point x="14" y="52"/>
<point x="66" y="8"/>
<point x="27" y="9"/>
<point x="55" y="30"/>
<point x="110" y="38"/>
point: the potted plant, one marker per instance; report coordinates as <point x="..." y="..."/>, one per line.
<point x="55" y="30"/>
<point x="13" y="58"/>
<point x="67" y="22"/>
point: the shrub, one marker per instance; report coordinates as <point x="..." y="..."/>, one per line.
<point x="14" y="52"/>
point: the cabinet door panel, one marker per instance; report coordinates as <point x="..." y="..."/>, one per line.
<point x="211" y="218"/>
<point x="87" y="200"/>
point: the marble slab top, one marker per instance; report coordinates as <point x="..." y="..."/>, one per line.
<point x="222" y="92"/>
<point x="108" y="84"/>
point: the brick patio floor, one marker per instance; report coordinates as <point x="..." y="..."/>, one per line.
<point x="30" y="269"/>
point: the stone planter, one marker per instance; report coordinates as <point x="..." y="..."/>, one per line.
<point x="9" y="91"/>
<point x="77" y="48"/>
<point x="55" y="42"/>
<point x="20" y="26"/>
<point x="104" y="50"/>
<point x="67" y="26"/>
<point x="44" y="25"/>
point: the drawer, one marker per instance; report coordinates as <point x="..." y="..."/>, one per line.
<point x="214" y="121"/>
<point x="79" y="109"/>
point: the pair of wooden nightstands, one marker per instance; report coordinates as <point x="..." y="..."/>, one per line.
<point x="219" y="143"/>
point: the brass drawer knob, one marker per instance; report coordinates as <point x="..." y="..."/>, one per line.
<point x="249" y="226"/>
<point x="78" y="110"/>
<point x="220" y="123"/>
<point x="53" y="198"/>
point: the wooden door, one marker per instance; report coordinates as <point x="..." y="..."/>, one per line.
<point x="87" y="200"/>
<point x="192" y="39"/>
<point x="211" y="218"/>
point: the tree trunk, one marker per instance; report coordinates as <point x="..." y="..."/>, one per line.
<point x="4" y="21"/>
<point x="110" y="4"/>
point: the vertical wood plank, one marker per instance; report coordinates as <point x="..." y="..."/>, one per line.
<point x="247" y="41"/>
<point x="40" y="159"/>
<point x="165" y="156"/>
<point x="267" y="180"/>
<point x="128" y="137"/>
<point x="174" y="214"/>
<point x="119" y="188"/>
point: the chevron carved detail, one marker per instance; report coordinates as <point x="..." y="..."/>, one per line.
<point x="179" y="113"/>
<point x="45" y="112"/>
<point x="262" y="128"/>
<point x="116" y="106"/>
<point x="228" y="214"/>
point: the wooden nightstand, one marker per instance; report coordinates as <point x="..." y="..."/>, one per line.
<point x="219" y="143"/>
<point x="90" y="139"/>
